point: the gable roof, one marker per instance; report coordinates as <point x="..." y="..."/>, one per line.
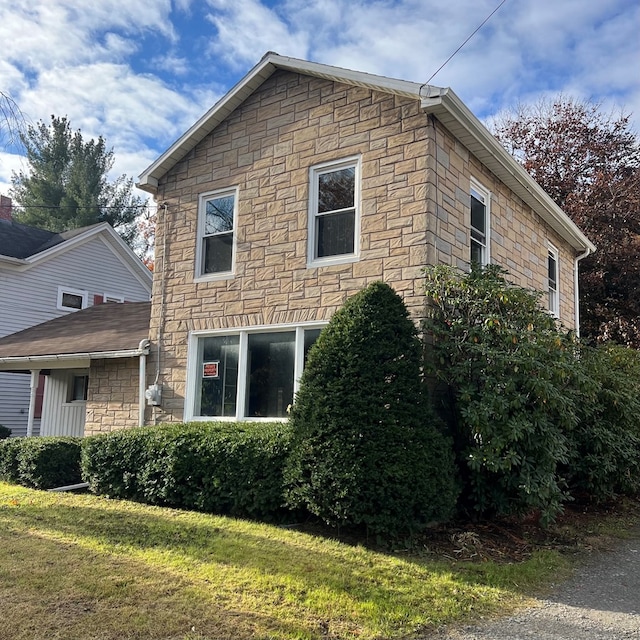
<point x="110" y="330"/>
<point x="441" y="102"/>
<point x="23" y="246"/>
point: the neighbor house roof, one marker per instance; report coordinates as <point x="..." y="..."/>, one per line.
<point x="21" y="241"/>
<point x="22" y="247"/>
<point x="110" y="330"/>
<point x="441" y="102"/>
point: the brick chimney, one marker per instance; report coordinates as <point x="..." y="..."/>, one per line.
<point x="5" y="208"/>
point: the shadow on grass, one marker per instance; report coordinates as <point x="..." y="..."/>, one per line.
<point x="284" y="570"/>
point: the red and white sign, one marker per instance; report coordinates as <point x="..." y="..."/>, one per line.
<point x="211" y="369"/>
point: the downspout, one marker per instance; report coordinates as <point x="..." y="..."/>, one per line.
<point x="143" y="348"/>
<point x="576" y="290"/>
<point x="35" y="375"/>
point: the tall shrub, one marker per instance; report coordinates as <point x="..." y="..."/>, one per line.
<point x="366" y="449"/>
<point x="604" y="458"/>
<point x="504" y="370"/>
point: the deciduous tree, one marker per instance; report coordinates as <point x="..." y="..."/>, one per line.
<point x="589" y="163"/>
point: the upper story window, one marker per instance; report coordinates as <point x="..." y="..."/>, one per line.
<point x="480" y="226"/>
<point x="71" y="299"/>
<point x="553" y="282"/>
<point x="334" y="212"/>
<point x="216" y="232"/>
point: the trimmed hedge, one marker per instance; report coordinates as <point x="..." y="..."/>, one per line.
<point x="5" y="432"/>
<point x="226" y="468"/>
<point x="40" y="463"/>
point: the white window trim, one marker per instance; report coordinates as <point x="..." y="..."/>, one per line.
<point x="485" y="195"/>
<point x="314" y="172"/>
<point x="193" y="370"/>
<point x="554" y="309"/>
<point x="109" y="297"/>
<point x="221" y="275"/>
<point x="74" y="292"/>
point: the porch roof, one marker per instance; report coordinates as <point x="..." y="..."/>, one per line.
<point x="110" y="330"/>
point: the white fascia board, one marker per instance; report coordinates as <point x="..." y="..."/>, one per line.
<point x="148" y="179"/>
<point x="456" y="117"/>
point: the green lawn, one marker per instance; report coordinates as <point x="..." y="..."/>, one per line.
<point x="85" y="567"/>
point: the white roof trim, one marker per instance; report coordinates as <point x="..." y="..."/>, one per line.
<point x="461" y="122"/>
<point x="443" y="103"/>
<point x="103" y="230"/>
<point x="64" y="360"/>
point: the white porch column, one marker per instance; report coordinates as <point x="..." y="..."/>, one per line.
<point x="35" y="376"/>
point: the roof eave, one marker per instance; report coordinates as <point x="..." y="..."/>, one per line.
<point x="458" y="119"/>
<point x="57" y="361"/>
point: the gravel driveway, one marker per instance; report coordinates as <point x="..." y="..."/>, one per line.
<point x="600" y="602"/>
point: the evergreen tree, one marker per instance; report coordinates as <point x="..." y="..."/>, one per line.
<point x="67" y="185"/>
<point x="366" y="445"/>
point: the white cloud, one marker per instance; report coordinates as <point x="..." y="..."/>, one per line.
<point x="140" y="78"/>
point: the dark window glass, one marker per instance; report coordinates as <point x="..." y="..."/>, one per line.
<point x="335" y="234"/>
<point x="218" y="370"/>
<point x="336" y="215"/>
<point x="218" y="253"/>
<point x="79" y="388"/>
<point x="218" y="235"/>
<point x="270" y="368"/>
<point x="72" y="301"/>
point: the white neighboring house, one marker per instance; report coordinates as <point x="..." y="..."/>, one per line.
<point x="45" y="275"/>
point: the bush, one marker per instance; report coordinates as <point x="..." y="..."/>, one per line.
<point x="9" y="449"/>
<point x="40" y="463"/>
<point x="366" y="449"/>
<point x="604" y="458"/>
<point x="5" y="432"/>
<point x="505" y="372"/>
<point x="225" y="468"/>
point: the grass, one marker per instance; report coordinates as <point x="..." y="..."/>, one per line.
<point x="85" y="567"/>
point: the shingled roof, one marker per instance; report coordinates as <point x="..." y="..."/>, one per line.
<point x="102" y="331"/>
<point x="21" y="241"/>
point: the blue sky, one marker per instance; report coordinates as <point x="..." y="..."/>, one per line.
<point x="140" y="73"/>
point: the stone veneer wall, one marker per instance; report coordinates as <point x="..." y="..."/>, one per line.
<point x="112" y="397"/>
<point x="415" y="203"/>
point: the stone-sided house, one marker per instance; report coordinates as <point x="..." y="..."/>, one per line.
<point x="298" y="188"/>
<point x="44" y="276"/>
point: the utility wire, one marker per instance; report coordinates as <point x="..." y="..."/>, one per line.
<point x="462" y="45"/>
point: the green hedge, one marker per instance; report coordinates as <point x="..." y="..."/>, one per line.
<point x="40" y="463"/>
<point x="226" y="468"/>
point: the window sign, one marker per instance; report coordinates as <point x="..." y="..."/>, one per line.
<point x="211" y="369"/>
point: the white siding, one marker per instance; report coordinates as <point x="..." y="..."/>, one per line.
<point x="14" y="403"/>
<point x="29" y="297"/>
<point x="59" y="417"/>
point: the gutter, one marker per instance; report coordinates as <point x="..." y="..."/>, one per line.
<point x="576" y="290"/>
<point x="92" y="355"/>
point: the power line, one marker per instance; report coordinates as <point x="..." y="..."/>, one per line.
<point x="462" y="45"/>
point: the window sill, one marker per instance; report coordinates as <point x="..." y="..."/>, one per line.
<point x="213" y="277"/>
<point x="333" y="260"/>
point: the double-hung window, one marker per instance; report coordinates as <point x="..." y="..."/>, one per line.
<point x="479" y="228"/>
<point x="553" y="283"/>
<point x="334" y="212"/>
<point x="217" y="222"/>
<point x="246" y="374"/>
